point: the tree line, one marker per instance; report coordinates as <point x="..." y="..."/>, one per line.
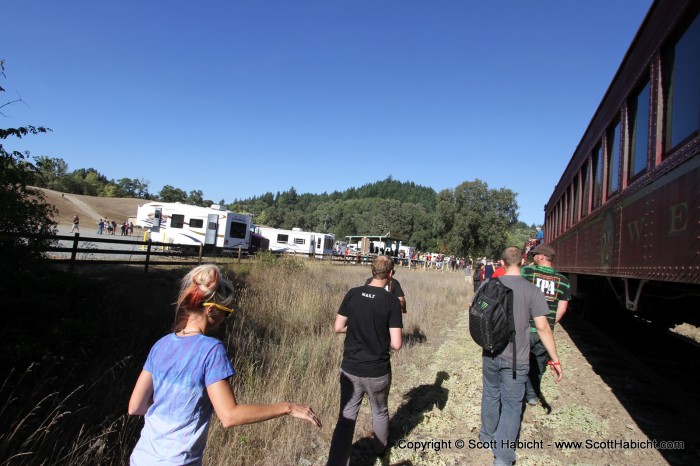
<point x="471" y="219"/>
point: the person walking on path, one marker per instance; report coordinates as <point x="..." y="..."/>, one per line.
<point x="370" y="318"/>
<point x="556" y="290"/>
<point x="76" y="225"/>
<point x="185" y="379"/>
<point x="503" y="391"/>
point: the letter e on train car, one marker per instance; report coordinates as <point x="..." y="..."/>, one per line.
<point x="677" y="218"/>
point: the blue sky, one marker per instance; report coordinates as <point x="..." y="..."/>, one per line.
<point x="238" y="98"/>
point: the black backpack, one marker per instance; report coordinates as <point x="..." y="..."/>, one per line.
<point x="491" y="321"/>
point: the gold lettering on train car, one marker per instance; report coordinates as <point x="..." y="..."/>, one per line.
<point x="606" y="241"/>
<point x="678" y="218"/>
<point x="635" y="230"/>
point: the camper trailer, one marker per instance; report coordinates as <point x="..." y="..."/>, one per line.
<point x="297" y="241"/>
<point x="188" y="225"/>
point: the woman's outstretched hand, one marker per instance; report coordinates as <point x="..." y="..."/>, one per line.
<point x="304" y="412"/>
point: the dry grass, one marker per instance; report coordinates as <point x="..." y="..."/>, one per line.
<point x="90" y="208"/>
<point x="69" y="409"/>
<point x="285" y="349"/>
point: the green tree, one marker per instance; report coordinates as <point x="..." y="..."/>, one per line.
<point x="83" y="181"/>
<point x="196" y="197"/>
<point x="50" y="172"/>
<point x="474" y="219"/>
<point x="24" y="211"/>
<point x="110" y="189"/>
<point x="138" y="188"/>
<point x="519" y="234"/>
<point x="172" y="194"/>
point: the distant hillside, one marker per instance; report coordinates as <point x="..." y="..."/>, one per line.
<point x="393" y="189"/>
<point x="90" y="208"/>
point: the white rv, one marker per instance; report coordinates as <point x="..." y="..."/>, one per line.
<point x="297" y="241"/>
<point x="188" y="225"/>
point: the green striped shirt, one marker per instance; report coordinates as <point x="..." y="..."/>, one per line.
<point x="554" y="285"/>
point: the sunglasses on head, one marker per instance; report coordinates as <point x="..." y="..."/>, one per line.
<point x="228" y="310"/>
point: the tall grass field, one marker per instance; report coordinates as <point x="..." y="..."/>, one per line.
<point x="77" y="343"/>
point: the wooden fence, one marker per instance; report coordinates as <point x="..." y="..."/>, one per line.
<point x="126" y="250"/>
<point x="74" y="249"/>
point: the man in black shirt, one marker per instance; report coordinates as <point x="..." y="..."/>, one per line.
<point x="370" y="317"/>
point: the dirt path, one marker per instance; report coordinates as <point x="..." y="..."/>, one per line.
<point x="435" y="404"/>
<point x="86" y="211"/>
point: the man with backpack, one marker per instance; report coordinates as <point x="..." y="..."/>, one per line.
<point x="505" y="369"/>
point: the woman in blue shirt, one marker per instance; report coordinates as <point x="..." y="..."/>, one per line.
<point x="185" y="379"/>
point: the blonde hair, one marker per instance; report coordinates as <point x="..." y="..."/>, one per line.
<point x="381" y="267"/>
<point x="204" y="283"/>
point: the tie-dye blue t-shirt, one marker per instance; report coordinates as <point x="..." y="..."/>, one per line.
<point x="176" y="424"/>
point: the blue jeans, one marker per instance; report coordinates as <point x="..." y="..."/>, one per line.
<point x="538" y="364"/>
<point x="352" y="390"/>
<point x="501" y="405"/>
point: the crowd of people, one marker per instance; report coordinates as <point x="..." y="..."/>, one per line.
<point x="185" y="378"/>
<point x="111" y="226"/>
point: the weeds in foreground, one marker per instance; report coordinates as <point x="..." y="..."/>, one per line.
<point x="68" y="405"/>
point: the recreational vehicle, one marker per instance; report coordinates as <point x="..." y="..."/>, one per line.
<point x="297" y="241"/>
<point x="188" y="225"/>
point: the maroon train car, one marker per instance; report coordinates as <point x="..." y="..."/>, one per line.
<point x="626" y="213"/>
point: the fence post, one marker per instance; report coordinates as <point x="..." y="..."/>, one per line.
<point x="201" y="250"/>
<point x="239" y="254"/>
<point x="74" y="252"/>
<point x="148" y="254"/>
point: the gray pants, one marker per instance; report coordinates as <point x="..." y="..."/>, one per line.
<point x="352" y="390"/>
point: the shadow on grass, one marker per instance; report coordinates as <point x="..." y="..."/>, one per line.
<point x="416" y="337"/>
<point x="417" y="402"/>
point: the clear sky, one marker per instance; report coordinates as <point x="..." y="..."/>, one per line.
<point x="238" y="98"/>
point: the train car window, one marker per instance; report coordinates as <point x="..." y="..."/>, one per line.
<point x="562" y="213"/>
<point x="562" y="216"/>
<point x="577" y="199"/>
<point x="639" y="133"/>
<point x="613" y="157"/>
<point x="586" y="194"/>
<point x="573" y="202"/>
<point x="598" y="176"/>
<point x="682" y="77"/>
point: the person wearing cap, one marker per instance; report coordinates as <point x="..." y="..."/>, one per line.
<point x="556" y="289"/>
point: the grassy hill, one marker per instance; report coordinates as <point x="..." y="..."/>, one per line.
<point x="90" y="208"/>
